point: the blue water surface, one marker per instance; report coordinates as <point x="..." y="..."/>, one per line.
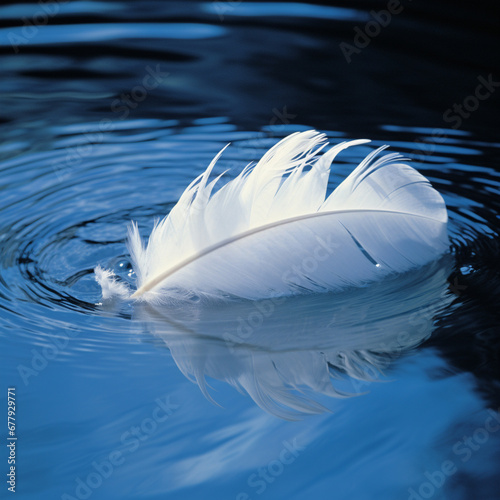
<point x="109" y="110"/>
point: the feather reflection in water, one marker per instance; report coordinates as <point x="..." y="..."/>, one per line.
<point x="289" y="353"/>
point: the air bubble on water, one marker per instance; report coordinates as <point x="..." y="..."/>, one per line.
<point x="467" y="270"/>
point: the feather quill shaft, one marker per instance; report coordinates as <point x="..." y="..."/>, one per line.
<point x="166" y="274"/>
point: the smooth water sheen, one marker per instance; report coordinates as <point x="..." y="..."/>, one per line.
<point x="109" y="110"/>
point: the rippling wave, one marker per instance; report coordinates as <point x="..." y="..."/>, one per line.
<point x="138" y="171"/>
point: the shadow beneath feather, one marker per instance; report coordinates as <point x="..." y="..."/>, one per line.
<point x="291" y="352"/>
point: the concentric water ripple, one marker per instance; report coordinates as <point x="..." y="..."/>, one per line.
<point x="60" y="217"/>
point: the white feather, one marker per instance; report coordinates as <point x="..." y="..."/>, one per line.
<point x="270" y="231"/>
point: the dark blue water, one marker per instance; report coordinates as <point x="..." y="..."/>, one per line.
<point x="108" y="111"/>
